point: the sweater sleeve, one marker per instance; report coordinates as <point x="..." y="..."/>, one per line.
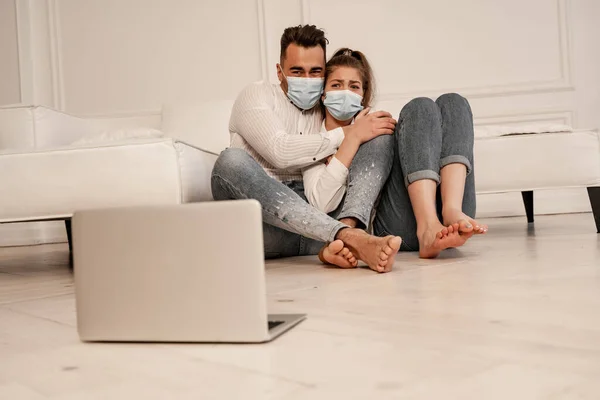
<point x="253" y="117"/>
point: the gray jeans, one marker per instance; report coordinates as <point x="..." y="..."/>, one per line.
<point x="429" y="135"/>
<point x="292" y="227"/>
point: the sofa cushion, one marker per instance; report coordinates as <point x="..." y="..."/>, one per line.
<point x="204" y="124"/>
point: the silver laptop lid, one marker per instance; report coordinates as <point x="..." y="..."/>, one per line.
<point x="186" y="273"/>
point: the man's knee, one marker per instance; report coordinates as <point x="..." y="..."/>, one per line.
<point x="420" y="107"/>
<point x="232" y="162"/>
<point x="232" y="166"/>
<point x="452" y="100"/>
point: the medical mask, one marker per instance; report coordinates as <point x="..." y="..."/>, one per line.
<point x="304" y="92"/>
<point x="343" y="104"/>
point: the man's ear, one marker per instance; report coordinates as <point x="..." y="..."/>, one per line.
<point x="282" y="80"/>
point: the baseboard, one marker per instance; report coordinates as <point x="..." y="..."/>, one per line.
<point x="32" y="233"/>
<point x="562" y="201"/>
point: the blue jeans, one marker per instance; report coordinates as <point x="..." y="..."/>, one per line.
<point x="291" y="226"/>
<point x="429" y="135"/>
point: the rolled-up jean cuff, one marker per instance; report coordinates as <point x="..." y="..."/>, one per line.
<point x="334" y="231"/>
<point x="456" y="160"/>
<point x="420" y="175"/>
<point x="364" y="221"/>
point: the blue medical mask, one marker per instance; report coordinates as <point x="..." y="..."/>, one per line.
<point x="343" y="104"/>
<point x="304" y="92"/>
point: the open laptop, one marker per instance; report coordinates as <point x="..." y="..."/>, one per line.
<point x="180" y="273"/>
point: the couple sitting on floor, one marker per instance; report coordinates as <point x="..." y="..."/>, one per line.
<point x="334" y="178"/>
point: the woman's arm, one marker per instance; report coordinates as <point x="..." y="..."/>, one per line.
<point x="325" y="184"/>
<point x="347" y="151"/>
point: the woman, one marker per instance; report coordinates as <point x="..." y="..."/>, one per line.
<point x="429" y="197"/>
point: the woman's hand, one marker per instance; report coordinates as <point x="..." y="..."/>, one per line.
<point x="368" y="126"/>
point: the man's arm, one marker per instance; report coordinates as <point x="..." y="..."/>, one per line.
<point x="254" y="119"/>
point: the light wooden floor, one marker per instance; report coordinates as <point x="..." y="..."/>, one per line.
<point x="515" y="315"/>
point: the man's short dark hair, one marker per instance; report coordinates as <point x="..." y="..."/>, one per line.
<point x="305" y="36"/>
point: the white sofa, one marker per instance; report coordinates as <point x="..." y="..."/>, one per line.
<point x="52" y="164"/>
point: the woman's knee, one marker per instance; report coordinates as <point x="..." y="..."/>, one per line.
<point x="453" y="100"/>
<point x="420" y="107"/>
<point x="381" y="145"/>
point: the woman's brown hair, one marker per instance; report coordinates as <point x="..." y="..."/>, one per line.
<point x="354" y="59"/>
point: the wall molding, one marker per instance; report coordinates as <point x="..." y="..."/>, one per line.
<point x="24" y="48"/>
<point x="56" y="55"/>
<point x="560" y="84"/>
<point x="262" y="39"/>
<point x="305" y="12"/>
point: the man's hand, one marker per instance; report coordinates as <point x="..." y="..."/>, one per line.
<point x="368" y="126"/>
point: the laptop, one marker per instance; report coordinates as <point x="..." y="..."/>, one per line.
<point x="175" y="273"/>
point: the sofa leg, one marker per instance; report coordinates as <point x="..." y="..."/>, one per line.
<point x="594" y="194"/>
<point x="70" y="239"/>
<point x="528" y="201"/>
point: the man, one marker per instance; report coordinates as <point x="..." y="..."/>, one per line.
<point x="275" y="132"/>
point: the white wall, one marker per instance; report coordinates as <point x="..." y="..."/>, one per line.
<point x="516" y="61"/>
<point x="10" y="89"/>
<point x="536" y="59"/>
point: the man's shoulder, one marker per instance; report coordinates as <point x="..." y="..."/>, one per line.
<point x="260" y="88"/>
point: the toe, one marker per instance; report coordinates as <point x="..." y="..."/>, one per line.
<point x="464" y="226"/>
<point x="445" y="231"/>
<point x="383" y="257"/>
<point x="394" y="244"/>
<point x="450" y="229"/>
<point x="336" y="246"/>
<point x="344" y="252"/>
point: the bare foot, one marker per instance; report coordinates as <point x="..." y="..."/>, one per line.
<point x="378" y="253"/>
<point x="336" y="253"/>
<point x="432" y="239"/>
<point x="466" y="224"/>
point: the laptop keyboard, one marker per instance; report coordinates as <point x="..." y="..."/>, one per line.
<point x="273" y="324"/>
